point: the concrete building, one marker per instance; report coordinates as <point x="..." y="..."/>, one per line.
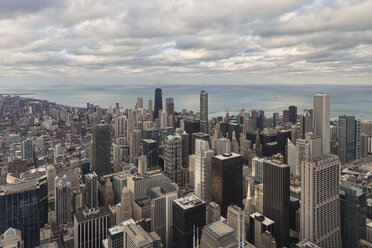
<point x="62" y="202"/>
<point x="204" y="112"/>
<point x="321" y="120"/>
<point x="320" y="201"/>
<point x="258" y="224"/>
<point x="213" y="212"/>
<point x="90" y="227"/>
<point x="173" y="158"/>
<point x="236" y="220"/>
<point x="218" y="234"/>
<point x="203" y="166"/>
<point x="303" y="148"/>
<point x="125" y="212"/>
<point x="136" y="237"/>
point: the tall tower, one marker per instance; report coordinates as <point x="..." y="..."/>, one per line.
<point x="203" y="169"/>
<point x="62" y="200"/>
<point x="169" y="105"/>
<point x="321" y="120"/>
<point x="27" y="149"/>
<point x="346" y="138"/>
<point x="292" y="114"/>
<point x="320" y="201"/>
<point x="276" y="198"/>
<point x="173" y="158"/>
<point x="100" y="150"/>
<point x="151" y="114"/>
<point x="91" y="190"/>
<point x="125" y="206"/>
<point x="204" y="111"/>
<point x="158" y="102"/>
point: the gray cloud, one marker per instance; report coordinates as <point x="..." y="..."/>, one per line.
<point x="239" y="41"/>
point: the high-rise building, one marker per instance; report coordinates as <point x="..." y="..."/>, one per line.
<point x="120" y="126"/>
<point x="320" y="201"/>
<point x="283" y="137"/>
<point x="353" y="213"/>
<point x="188" y="221"/>
<point x="321" y="120"/>
<point x="213" y="212"/>
<point x="90" y="227"/>
<point x="276" y="177"/>
<point x="135" y="143"/>
<point x="236" y="220"/>
<point x="173" y="158"/>
<point x="258" y="225"/>
<point x="137" y="186"/>
<point x="100" y="150"/>
<point x="201" y="136"/>
<point x="315" y="142"/>
<point x="203" y="170"/>
<point x="125" y="205"/>
<point x="292" y="157"/>
<point x="27" y="149"/>
<point x="257" y="169"/>
<point x="204" y="111"/>
<point x="227" y="180"/>
<point x="91" y="190"/>
<point x="115" y="237"/>
<point x="151" y="113"/>
<point x="218" y="234"/>
<point x="306" y="123"/>
<point x="285" y="116"/>
<point x="150" y="148"/>
<point x="161" y="210"/>
<point x="136" y="237"/>
<point x="303" y="153"/>
<point x="275" y="119"/>
<point x="158" y="103"/>
<point x="346" y="138"/>
<point x="292" y="114"/>
<point x="358" y="149"/>
<point x="163" y="119"/>
<point x="191" y="126"/>
<point x="23" y="206"/>
<point x="169" y="105"/>
<point x="365" y="127"/>
<point x="223" y="146"/>
<point x="62" y="200"/>
<point x="139" y="103"/>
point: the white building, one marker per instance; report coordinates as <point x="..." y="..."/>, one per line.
<point x="321" y="120"/>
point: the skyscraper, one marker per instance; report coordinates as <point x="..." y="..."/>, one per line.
<point x="100" y="150"/>
<point x="276" y="198"/>
<point x="125" y="206"/>
<point x="188" y="221"/>
<point x="173" y="158"/>
<point x="204" y="111"/>
<point x="227" y="180"/>
<point x="218" y="234"/>
<point x="120" y="125"/>
<point x="306" y="123"/>
<point x="62" y="200"/>
<point x="303" y="153"/>
<point x="223" y="146"/>
<point x="321" y="120"/>
<point x="275" y="119"/>
<point x="158" y="103"/>
<point x="203" y="169"/>
<point x="293" y="114"/>
<point x="169" y="105"/>
<point x="353" y="213"/>
<point x="151" y="113"/>
<point x="346" y="138"/>
<point x="27" y="149"/>
<point x="91" y="190"/>
<point x="320" y="201"/>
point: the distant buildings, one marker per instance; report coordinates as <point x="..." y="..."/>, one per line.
<point x="158" y="103"/>
<point x="173" y="158"/>
<point x="204" y="112"/>
<point x="27" y="149"/>
<point x="62" y="200"/>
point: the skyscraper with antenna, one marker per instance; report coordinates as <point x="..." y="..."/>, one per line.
<point x="158" y="102"/>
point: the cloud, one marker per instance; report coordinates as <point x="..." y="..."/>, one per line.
<point x="182" y="40"/>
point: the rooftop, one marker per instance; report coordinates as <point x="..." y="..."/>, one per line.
<point x="219" y="228"/>
<point x="188" y="201"/>
<point x="227" y="156"/>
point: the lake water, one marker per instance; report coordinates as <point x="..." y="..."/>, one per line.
<point x="345" y="99"/>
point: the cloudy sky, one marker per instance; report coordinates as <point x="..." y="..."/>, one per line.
<point x="185" y="41"/>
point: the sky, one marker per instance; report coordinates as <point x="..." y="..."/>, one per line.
<point x="98" y="42"/>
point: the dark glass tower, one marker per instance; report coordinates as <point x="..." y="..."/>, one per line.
<point x="276" y="198"/>
<point x="346" y="138"/>
<point x="293" y="114"/>
<point x="204" y="111"/>
<point x="100" y="154"/>
<point x="227" y="180"/>
<point x="188" y="220"/>
<point x="158" y="103"/>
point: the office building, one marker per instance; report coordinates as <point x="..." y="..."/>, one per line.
<point x="188" y="221"/>
<point x="100" y="150"/>
<point x="285" y="116"/>
<point x="135" y="143"/>
<point x="259" y="224"/>
<point x="137" y="186"/>
<point x="227" y="180"/>
<point x="158" y="103"/>
<point x="236" y="220"/>
<point x="115" y="237"/>
<point x="62" y="202"/>
<point x="149" y="110"/>
<point x="306" y="123"/>
<point x="321" y="120"/>
<point x="275" y="120"/>
<point x="353" y="200"/>
<point x="292" y="114"/>
<point x="90" y="227"/>
<point x="204" y="111"/>
<point x="303" y="153"/>
<point x="139" y="103"/>
<point x="136" y="237"/>
<point x="346" y="138"/>
<point x="27" y="149"/>
<point x="218" y="234"/>
<point x="91" y="190"/>
<point x="150" y="148"/>
<point x="257" y="169"/>
<point x="126" y="202"/>
<point x="292" y="157"/>
<point x="173" y="158"/>
<point x="163" y="119"/>
<point x="223" y="146"/>
<point x="320" y="201"/>
<point x="203" y="166"/>
<point x="120" y="126"/>
<point x="191" y="126"/>
<point x="276" y="177"/>
<point x="22" y="207"/>
<point x="169" y="105"/>
<point x="213" y="212"/>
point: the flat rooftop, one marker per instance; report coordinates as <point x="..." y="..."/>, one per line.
<point x="219" y="228"/>
<point x="188" y="201"/>
<point x="226" y="156"/>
